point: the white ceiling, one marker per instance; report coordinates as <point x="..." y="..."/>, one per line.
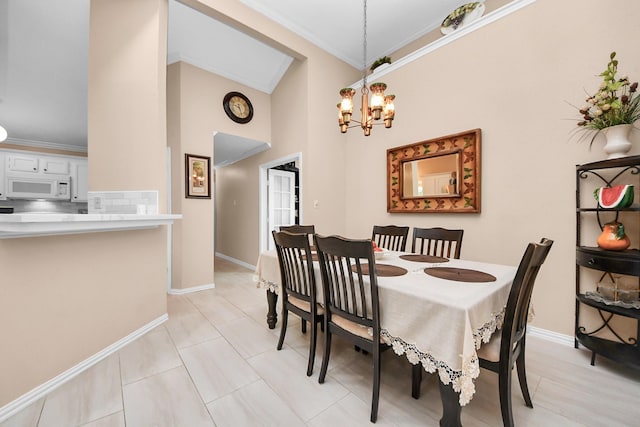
<point x="43" y="70"/>
<point x="44" y="54"/>
<point x="208" y="44"/>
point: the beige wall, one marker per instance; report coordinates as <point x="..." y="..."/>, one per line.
<point x="300" y="123"/>
<point x="196" y="114"/>
<point x="514" y="79"/>
<point x="127" y="96"/>
<point x="237" y="214"/>
<point x="65" y="298"/>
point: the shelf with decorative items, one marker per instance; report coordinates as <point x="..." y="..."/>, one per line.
<point x="607" y="317"/>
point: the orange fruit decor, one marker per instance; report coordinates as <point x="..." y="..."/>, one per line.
<point x="613" y="237"/>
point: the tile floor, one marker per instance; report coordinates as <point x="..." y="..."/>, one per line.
<point x="214" y="363"/>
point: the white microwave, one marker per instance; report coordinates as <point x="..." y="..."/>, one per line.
<point x="38" y="188"/>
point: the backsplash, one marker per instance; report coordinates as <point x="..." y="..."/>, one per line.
<point x="123" y="202"/>
<point x="41" y="206"/>
<point x="100" y="202"/>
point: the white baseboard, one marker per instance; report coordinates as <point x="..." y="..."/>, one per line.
<point x="175" y="291"/>
<point x="563" y="339"/>
<point x="236" y="261"/>
<point x="39" y="392"/>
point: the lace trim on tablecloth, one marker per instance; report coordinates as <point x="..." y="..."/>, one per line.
<point x="273" y="287"/>
<point x="462" y="381"/>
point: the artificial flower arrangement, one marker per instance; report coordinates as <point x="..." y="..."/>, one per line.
<point x="616" y="102"/>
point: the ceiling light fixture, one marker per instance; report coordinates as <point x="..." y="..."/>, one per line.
<point x="381" y="105"/>
<point x="3" y="134"/>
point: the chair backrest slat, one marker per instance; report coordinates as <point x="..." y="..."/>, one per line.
<point x="349" y="279"/>
<point x="437" y="241"/>
<point x="390" y="237"/>
<point x="296" y="265"/>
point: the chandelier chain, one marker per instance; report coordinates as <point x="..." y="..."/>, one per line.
<point x="364" y="48"/>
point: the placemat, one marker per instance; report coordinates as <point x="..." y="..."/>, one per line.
<point x="382" y="270"/>
<point x="459" y="274"/>
<point x="423" y="258"/>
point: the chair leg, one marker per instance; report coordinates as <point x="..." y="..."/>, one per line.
<point x="326" y="354"/>
<point x="504" y="386"/>
<point x="312" y="346"/>
<point x="304" y="326"/>
<point x="283" y="327"/>
<point x="416" y="380"/>
<point x="522" y="378"/>
<point x="376" y="385"/>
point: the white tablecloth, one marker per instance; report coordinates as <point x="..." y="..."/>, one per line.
<point x="436" y="322"/>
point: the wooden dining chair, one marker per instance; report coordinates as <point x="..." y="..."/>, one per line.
<point x="507" y="347"/>
<point x="437" y="241"/>
<point x="298" y="286"/>
<point x="390" y="237"/>
<point x="350" y="290"/>
<point x="309" y="230"/>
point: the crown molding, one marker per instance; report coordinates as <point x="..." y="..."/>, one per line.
<point x="45" y="144"/>
<point x="445" y="40"/>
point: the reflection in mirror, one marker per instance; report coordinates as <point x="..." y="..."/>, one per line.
<point x="435" y="176"/>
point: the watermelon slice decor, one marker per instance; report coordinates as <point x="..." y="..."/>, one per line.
<point x="620" y="196"/>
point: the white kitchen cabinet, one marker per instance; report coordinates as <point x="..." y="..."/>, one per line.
<point x="37" y="164"/>
<point x="54" y="165"/>
<point x="22" y="163"/>
<point x="40" y="165"/>
<point x="79" y="180"/>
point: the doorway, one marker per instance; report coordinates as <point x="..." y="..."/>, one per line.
<point x="280" y="198"/>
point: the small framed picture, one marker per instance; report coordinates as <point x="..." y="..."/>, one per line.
<point x="197" y="176"/>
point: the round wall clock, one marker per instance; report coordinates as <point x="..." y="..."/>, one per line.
<point x="238" y="107"/>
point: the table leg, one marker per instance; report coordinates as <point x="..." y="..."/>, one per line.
<point x="450" y="406"/>
<point x="272" y="315"/>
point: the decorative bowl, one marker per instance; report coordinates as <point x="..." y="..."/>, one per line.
<point x="381" y="254"/>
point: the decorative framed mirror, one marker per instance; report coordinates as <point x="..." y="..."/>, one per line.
<point x="435" y="176"/>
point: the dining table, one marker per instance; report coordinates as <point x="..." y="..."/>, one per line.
<point x="435" y="311"/>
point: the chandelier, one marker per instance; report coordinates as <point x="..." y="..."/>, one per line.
<point x="381" y="105"/>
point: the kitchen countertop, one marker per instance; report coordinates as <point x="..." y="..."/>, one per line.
<point x="46" y="224"/>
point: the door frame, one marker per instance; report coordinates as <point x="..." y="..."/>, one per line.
<point x="264" y="194"/>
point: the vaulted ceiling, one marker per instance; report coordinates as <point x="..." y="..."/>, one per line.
<point x="44" y="52"/>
